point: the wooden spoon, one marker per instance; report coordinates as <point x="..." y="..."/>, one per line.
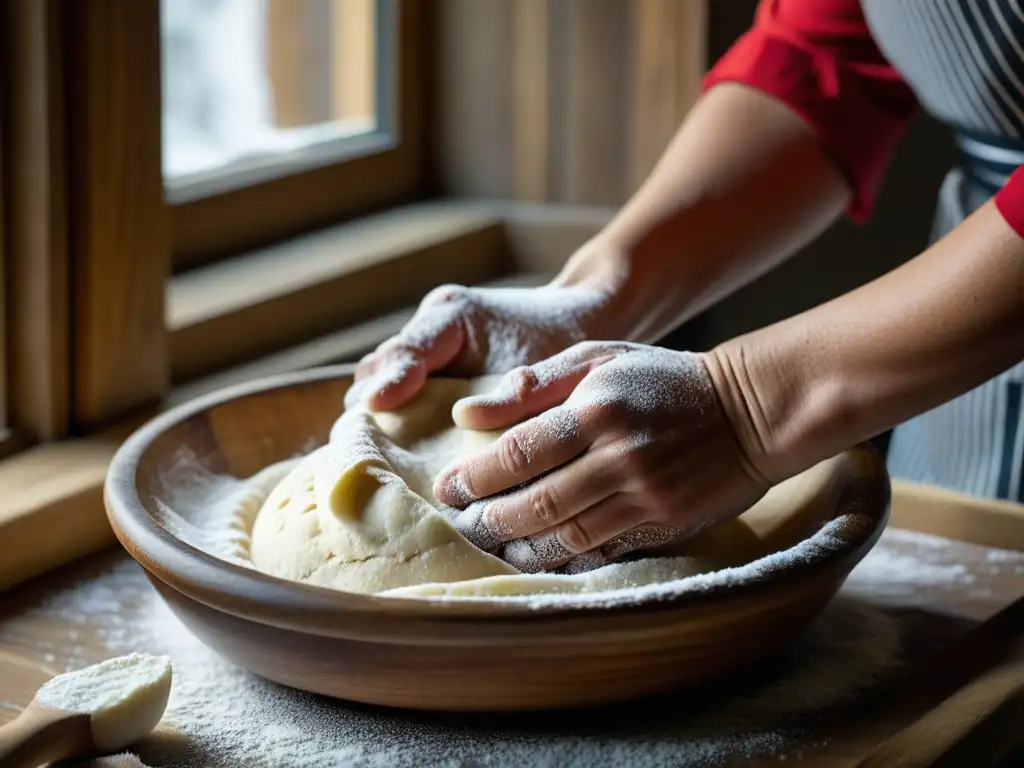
<point x="101" y="708"/>
<point x="41" y="735"/>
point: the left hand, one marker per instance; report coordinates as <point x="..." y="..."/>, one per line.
<point x="624" y="447"/>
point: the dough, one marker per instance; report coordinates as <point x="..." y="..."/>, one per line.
<point x="359" y="515"/>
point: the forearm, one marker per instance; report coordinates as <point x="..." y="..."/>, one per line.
<point x="742" y="186"/>
<point x="938" y="326"/>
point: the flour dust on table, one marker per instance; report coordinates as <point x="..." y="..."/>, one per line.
<point x="225" y="717"/>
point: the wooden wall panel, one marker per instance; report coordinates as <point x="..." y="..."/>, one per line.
<point x="121" y="263"/>
<point x="567" y="101"/>
<point x="593" y="123"/>
<point x="35" y="233"/>
<point x="474" y="97"/>
<point x="531" y="100"/>
<point x="667" y="65"/>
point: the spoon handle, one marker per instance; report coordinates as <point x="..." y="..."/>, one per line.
<point x="41" y="735"/>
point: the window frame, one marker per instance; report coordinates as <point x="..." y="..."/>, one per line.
<point x="34" y="209"/>
<point x="385" y="167"/>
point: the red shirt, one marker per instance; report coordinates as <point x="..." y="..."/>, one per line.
<point x="818" y="57"/>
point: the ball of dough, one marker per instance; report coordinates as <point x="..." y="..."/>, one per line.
<point x="359" y="514"/>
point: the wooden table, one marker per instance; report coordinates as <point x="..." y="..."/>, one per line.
<point x="35" y="644"/>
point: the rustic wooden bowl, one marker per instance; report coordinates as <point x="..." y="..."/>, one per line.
<point x="449" y="655"/>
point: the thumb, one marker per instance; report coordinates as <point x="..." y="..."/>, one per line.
<point x="530" y="389"/>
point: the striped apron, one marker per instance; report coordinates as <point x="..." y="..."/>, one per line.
<point x="965" y="61"/>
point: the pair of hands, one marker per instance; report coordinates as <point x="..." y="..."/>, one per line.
<point x="610" y="447"/>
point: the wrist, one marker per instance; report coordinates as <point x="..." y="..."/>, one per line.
<point x="785" y="406"/>
<point x="604" y="267"/>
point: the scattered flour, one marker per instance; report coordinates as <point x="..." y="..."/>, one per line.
<point x="227" y="717"/>
<point x="223" y="716"/>
<point x="123" y="760"/>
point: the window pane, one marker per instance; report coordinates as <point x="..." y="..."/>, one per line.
<point x="253" y="89"/>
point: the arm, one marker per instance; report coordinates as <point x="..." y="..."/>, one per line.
<point x="941" y="324"/>
<point x="798" y="122"/>
<point x="625" y="446"/>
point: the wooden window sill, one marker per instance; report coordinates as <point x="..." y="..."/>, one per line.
<point x="52" y="510"/>
<point x="273" y="298"/>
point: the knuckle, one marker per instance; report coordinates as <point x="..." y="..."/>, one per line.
<point x="545" y="505"/>
<point x="444" y="294"/>
<point x="522" y="382"/>
<point x="575" y="537"/>
<point x="512" y="458"/>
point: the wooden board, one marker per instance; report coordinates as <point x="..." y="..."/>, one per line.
<point x="32" y="647"/>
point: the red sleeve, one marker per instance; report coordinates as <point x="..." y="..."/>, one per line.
<point x="1010" y="201"/>
<point x="818" y="57"/>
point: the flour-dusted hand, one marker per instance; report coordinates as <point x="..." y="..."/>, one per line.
<point x="473" y="331"/>
<point x="624" y="447"/>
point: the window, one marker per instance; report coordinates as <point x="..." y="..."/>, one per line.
<point x="254" y="90"/>
<point x="281" y="115"/>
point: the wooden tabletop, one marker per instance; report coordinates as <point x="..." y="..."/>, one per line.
<point x="36" y="643"/>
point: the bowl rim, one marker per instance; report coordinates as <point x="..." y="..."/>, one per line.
<point x="255" y="596"/>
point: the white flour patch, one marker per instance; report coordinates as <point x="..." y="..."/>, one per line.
<point x="229" y="717"/>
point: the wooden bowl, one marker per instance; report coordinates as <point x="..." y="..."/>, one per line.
<point x="438" y="655"/>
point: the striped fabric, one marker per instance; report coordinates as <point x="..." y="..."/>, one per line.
<point x="965" y="61"/>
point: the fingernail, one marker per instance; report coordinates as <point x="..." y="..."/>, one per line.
<point x="451" y="489"/>
<point x="462" y="411"/>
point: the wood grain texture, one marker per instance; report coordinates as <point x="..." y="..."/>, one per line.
<point x="233" y="311"/>
<point x="506" y="656"/>
<point x="43" y="735"/>
<point x="3" y="284"/>
<point x="35" y="226"/>
<point x="978" y="685"/>
<point x="121" y="261"/>
<point x="668" y="64"/>
<point x="532" y="99"/>
<point x="212" y="226"/>
<point x="53" y="507"/>
<point x="941" y="512"/>
<point x="568" y="101"/>
<point x="474" y="109"/>
<point x="594" y="121"/>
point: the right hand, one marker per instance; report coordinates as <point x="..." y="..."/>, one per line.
<point x="466" y="332"/>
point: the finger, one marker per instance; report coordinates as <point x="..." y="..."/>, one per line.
<point x="398" y="370"/>
<point x="518" y="456"/>
<point x="530" y="389"/>
<point x="583" y="533"/>
<point x="553" y="499"/>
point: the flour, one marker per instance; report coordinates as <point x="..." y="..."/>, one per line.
<point x="124" y="697"/>
<point x="123" y="760"/>
<point x="226" y="717"/>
